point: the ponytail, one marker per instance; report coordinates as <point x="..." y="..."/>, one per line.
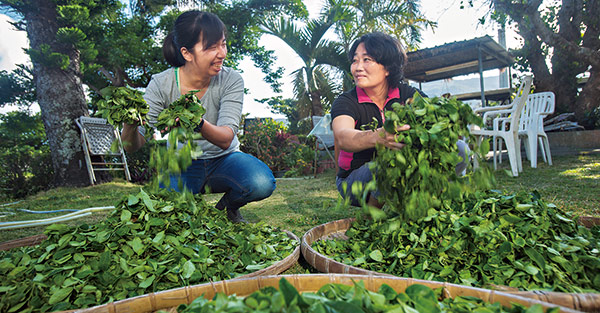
<point x="171" y="52"/>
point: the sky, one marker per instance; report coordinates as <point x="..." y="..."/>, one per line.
<point x="454" y="24"/>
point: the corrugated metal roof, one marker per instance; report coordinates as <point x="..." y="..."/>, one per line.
<point x="455" y="59"/>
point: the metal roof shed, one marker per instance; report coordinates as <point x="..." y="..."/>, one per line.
<point x="457" y="58"/>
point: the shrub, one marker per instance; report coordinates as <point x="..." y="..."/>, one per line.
<point x="301" y="158"/>
<point x="270" y="142"/>
<point x="25" y="160"/>
<point x="139" y="162"/>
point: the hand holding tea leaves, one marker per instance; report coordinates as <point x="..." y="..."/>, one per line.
<point x="122" y="105"/>
<point x="186" y="113"/>
<point x="178" y="120"/>
<point x="390" y="139"/>
<point x="422" y="174"/>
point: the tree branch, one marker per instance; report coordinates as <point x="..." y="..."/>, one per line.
<point x="557" y="41"/>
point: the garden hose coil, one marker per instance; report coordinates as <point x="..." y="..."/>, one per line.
<point x="63" y="218"/>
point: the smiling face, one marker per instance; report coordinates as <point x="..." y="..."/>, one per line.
<point x="367" y="73"/>
<point x="209" y="60"/>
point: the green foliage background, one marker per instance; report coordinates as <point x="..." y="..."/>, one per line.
<point x="271" y="142"/>
<point x="25" y="165"/>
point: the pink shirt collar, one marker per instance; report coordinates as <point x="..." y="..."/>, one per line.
<point x="363" y="97"/>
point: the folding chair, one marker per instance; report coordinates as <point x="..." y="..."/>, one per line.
<point x="97" y="138"/>
<point x="324" y="137"/>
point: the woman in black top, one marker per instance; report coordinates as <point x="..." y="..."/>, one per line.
<point x="378" y="63"/>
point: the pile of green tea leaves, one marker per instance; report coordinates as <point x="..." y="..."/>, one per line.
<point x="178" y="120"/>
<point x="421" y="175"/>
<point x="489" y="239"/>
<point x="122" y="105"/>
<point x="150" y="242"/>
<point x="341" y="298"/>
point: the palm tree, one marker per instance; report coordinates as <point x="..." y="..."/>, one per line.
<point x="325" y="61"/>
<point x="399" y="18"/>
<point x="313" y="84"/>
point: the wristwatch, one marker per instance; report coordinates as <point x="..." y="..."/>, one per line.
<point x="199" y="127"/>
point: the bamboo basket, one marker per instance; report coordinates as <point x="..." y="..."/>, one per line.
<point x="282" y="265"/>
<point x="23" y="242"/>
<point x="170" y="299"/>
<point x="586" y="302"/>
<point x="274" y="269"/>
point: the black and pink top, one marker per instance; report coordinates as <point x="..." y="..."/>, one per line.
<point x="356" y="104"/>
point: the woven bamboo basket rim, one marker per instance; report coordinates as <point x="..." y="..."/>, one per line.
<point x="23" y="242"/>
<point x="586" y="302"/>
<point x="279" y="266"/>
<point x="170" y="299"/>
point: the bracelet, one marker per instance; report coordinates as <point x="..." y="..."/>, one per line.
<point x="199" y="127"/>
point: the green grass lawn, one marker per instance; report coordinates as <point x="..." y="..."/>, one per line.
<point x="298" y="204"/>
<point x="572" y="182"/>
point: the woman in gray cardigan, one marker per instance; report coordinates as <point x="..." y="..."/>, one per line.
<point x="196" y="49"/>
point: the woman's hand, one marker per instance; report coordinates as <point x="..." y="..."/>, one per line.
<point x="168" y="129"/>
<point x="353" y="140"/>
<point x="389" y="140"/>
<point x="131" y="138"/>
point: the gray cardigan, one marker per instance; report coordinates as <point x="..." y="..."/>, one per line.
<point x="223" y="103"/>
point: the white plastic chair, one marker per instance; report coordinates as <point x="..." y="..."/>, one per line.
<point x="491" y="116"/>
<point x="538" y="106"/>
<point x="506" y="126"/>
<point x="97" y="138"/>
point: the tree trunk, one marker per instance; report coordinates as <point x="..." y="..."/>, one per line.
<point x="60" y="97"/>
<point x="317" y="106"/>
<point x="571" y="56"/>
<point x="587" y="100"/>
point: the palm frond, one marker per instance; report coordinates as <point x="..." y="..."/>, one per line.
<point x="303" y="100"/>
<point x="286" y="30"/>
<point x="327" y="83"/>
<point x="333" y="54"/>
<point x="300" y="86"/>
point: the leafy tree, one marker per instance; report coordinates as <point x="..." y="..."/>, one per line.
<point x="288" y="107"/>
<point x="25" y="165"/>
<point x="400" y="18"/>
<point x="243" y="20"/>
<point x="567" y="33"/>
<point x="57" y="49"/>
<point x="127" y="44"/>
<point x="17" y="86"/>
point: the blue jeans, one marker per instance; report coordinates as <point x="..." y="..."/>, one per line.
<point x="364" y="175"/>
<point x="242" y="177"/>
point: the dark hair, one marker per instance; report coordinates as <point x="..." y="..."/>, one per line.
<point x="189" y="28"/>
<point x="385" y="50"/>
